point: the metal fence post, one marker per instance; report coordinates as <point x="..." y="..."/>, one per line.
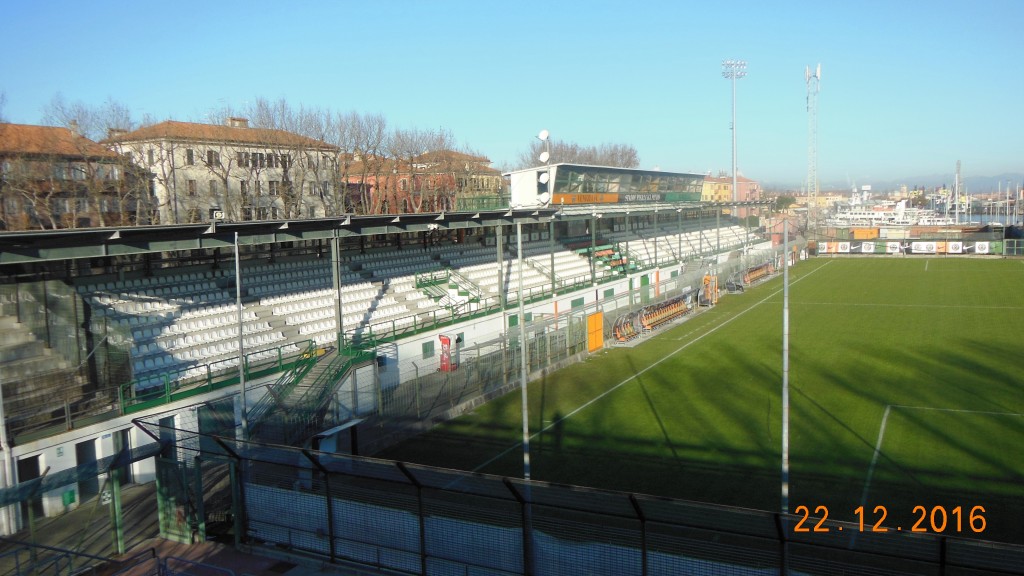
<point x="421" y="515"/>
<point x="199" y="531"/>
<point x="479" y="372"/>
<point x="77" y="325"/>
<point x="527" y="517"/>
<point x="327" y="499"/>
<point x="17" y="300"/>
<point x="643" y="533"/>
<point x="504" y="362"/>
<point x="780" y="528"/>
<point x="942" y="556"/>
<point x="46" y="314"/>
<point x="416" y="385"/>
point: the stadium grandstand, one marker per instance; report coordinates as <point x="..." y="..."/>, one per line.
<point x="103" y="325"/>
<point x="242" y="367"/>
<point x="230" y="382"/>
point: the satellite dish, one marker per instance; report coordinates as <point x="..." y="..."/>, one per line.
<point x="543" y="135"/>
<point x="544" y="156"/>
<point x="543" y="178"/>
<point x="544" y="198"/>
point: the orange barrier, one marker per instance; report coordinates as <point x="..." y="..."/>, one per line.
<point x="653" y="316"/>
<point x="758" y="272"/>
<point x="631" y="325"/>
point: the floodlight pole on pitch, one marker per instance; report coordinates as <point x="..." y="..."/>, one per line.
<point x="785" y="367"/>
<point x="241" y="342"/>
<point x="545" y="179"/>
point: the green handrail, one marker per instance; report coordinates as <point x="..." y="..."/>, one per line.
<point x="284" y="386"/>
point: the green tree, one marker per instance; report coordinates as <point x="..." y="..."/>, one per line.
<point x="782" y="203"/>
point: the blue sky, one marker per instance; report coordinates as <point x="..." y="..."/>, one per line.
<point x="908" y="87"/>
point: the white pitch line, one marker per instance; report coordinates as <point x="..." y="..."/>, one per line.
<point x="963" y="411"/>
<point x="881" y="435"/>
<point x="926" y="265"/>
<point x="891" y="305"/>
<point x="871" y="468"/>
<point x="874" y="458"/>
<point x="633" y="377"/>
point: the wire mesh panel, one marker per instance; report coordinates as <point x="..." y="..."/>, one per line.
<point x="475" y="533"/>
<point x="577" y="542"/>
<point x="283" y="507"/>
<point x="375" y="523"/>
<point x="217" y="520"/>
<point x="419" y="519"/>
<point x="176" y="509"/>
<point x="674" y="549"/>
<point x="833" y="560"/>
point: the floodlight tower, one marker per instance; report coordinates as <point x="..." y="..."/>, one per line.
<point x="813" y="79"/>
<point x="733" y="70"/>
<point x="545" y="179"/>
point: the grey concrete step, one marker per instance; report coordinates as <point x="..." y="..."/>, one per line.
<point x="21" y="348"/>
<point x="31" y="367"/>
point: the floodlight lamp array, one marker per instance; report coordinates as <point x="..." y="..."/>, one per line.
<point x="734" y="68"/>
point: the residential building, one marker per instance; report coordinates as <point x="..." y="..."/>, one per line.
<point x="434" y="181"/>
<point x="233" y="171"/>
<point x="717" y="188"/>
<point x="53" y="177"/>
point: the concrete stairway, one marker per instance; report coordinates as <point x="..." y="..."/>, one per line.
<point x="38" y="386"/>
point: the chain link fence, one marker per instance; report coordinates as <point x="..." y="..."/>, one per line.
<point x="395" y="402"/>
<point x="420" y="520"/>
<point x="55" y="373"/>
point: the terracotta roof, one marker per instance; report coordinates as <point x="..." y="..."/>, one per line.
<point x="451" y="156"/>
<point x="740" y="179"/>
<point x="193" y="132"/>
<point x="435" y="162"/>
<point x="24" y="139"/>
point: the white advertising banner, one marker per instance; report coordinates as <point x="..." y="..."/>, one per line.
<point x="922" y="247"/>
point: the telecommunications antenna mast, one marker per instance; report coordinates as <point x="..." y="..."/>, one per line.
<point x="812" y="79"/>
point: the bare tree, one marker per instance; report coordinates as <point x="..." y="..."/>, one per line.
<point x="342" y="130"/>
<point x="26" y="194"/>
<point x="109" y="190"/>
<point x="405" y="190"/>
<point x="369" y="133"/>
<point x="92" y="122"/>
<point x="617" y="155"/>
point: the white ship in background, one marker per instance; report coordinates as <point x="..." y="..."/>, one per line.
<point x="886" y="214"/>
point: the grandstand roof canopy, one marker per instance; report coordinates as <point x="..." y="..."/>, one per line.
<point x="64" y="244"/>
<point x="48" y="245"/>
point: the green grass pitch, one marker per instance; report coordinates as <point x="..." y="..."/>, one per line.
<point x="906" y="384"/>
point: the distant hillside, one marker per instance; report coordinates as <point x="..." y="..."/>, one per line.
<point x="972" y="184"/>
